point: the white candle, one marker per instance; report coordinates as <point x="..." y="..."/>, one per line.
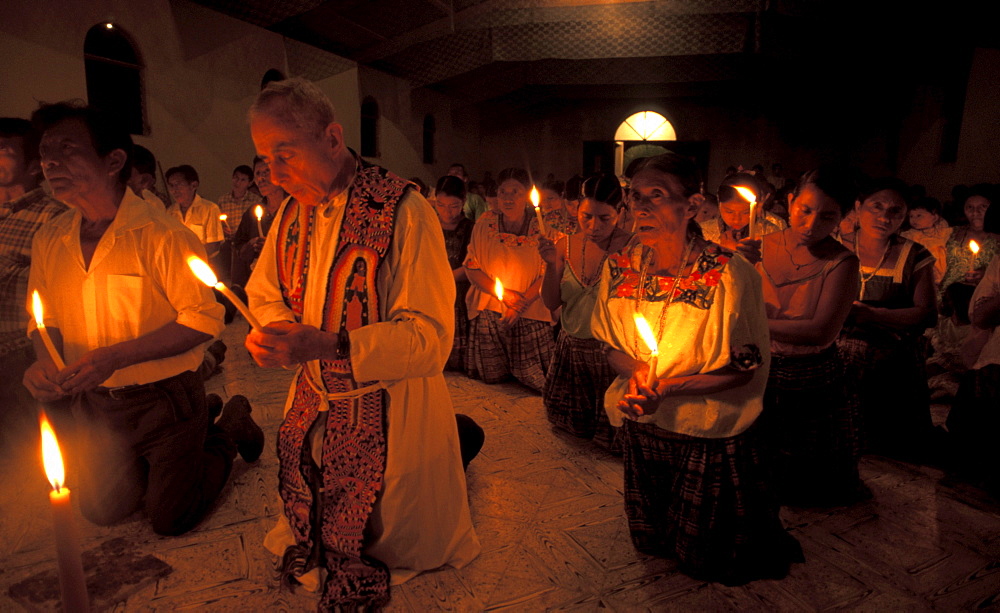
<point x="206" y="276"/>
<point x="71" y="578"/>
<point x="647" y="337"/>
<point x="259" y="213"/>
<point x="36" y="308"/>
<point x="974" y="248"/>
<point x="535" y="202"/>
<point x="750" y="197"/>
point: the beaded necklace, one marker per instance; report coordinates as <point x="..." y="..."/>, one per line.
<point x="866" y="278"/>
<point x="673" y="289"/>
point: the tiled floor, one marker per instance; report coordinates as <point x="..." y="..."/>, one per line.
<point x="548" y="509"/>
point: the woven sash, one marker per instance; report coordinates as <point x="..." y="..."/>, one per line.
<point x="328" y="507"/>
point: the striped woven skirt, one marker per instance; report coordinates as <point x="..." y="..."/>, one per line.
<point x="574" y="392"/>
<point x="523" y="351"/>
<point x="456" y="360"/>
<point x="813" y="433"/>
<point x="705" y="503"/>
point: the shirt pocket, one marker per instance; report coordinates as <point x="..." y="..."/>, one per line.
<point x="126" y="304"/>
<point x="199" y="231"/>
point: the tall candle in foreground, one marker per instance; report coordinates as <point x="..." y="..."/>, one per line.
<point x="206" y="276"/>
<point x="974" y="248"/>
<point x="647" y="337"/>
<point x="498" y="289"/>
<point x="258" y="212"/>
<point x="39" y="313"/>
<point x="536" y="202"/>
<point x="71" y="578"/>
<point x="750" y="197"/>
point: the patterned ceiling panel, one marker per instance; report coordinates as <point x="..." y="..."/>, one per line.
<point x="659" y="36"/>
<point x="264" y="13"/>
<point x="313" y="63"/>
<point x="441" y="58"/>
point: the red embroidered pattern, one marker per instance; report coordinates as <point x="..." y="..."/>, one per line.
<point x="697" y="289"/>
<point x="354" y="444"/>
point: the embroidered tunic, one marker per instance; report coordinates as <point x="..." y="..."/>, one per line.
<point x="715" y="318"/>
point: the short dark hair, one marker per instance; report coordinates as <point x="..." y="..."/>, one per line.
<point x="11" y="127"/>
<point x="872" y="186"/>
<point x="244" y="170"/>
<point x="187" y="171"/>
<point x="107" y="132"/>
<point x="513" y="174"/>
<point x="450" y="185"/>
<point x="143" y="161"/>
<point x="554" y="186"/>
<point x="605" y="188"/>
<point x="841" y="183"/>
<point x="727" y="189"/>
<point x="931" y="205"/>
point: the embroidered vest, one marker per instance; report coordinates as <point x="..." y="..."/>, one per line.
<point x="328" y="507"/>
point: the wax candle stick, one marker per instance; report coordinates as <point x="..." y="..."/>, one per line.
<point x="535" y="202"/>
<point x="258" y="212"/>
<point x="974" y="248"/>
<point x="71" y="578"/>
<point x="205" y="274"/>
<point x="647" y="337"/>
<point x="750" y="197"/>
<point x="36" y="308"/>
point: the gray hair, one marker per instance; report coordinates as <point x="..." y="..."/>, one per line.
<point x="295" y="102"/>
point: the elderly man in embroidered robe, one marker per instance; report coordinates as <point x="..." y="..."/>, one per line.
<point x="355" y="290"/>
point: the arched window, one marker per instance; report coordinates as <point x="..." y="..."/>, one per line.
<point x="644" y="126"/>
<point x="369" y="127"/>
<point x="429" y="129"/>
<point x="114" y="75"/>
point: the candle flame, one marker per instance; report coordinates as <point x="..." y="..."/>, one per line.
<point x="51" y="456"/>
<point x="202" y="271"/>
<point x="498" y="289"/>
<point x="36" y="309"/>
<point x="223" y="217"/>
<point x="535" y="197"/>
<point x="974" y="247"/>
<point x="259" y="212"/>
<point x="747" y="194"/>
<point x="646" y="333"/>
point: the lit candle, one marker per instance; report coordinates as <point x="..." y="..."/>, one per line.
<point x="974" y="248"/>
<point x="535" y="202"/>
<point x="71" y="579"/>
<point x="498" y="289"/>
<point x="647" y="337"/>
<point x="750" y="197"/>
<point x="36" y="308"/>
<point x="206" y="276"/>
<point x="223" y="219"/>
<point x="258" y="211"/>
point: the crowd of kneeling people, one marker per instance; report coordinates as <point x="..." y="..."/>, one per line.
<point x="784" y="340"/>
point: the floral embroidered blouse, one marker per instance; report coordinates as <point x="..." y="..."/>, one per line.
<point x="712" y="318"/>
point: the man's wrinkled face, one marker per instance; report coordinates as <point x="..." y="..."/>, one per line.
<point x="71" y="164"/>
<point x="181" y="190"/>
<point x="302" y="161"/>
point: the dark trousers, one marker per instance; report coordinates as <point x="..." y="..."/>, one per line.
<point x="18" y="410"/>
<point x="152" y="443"/>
